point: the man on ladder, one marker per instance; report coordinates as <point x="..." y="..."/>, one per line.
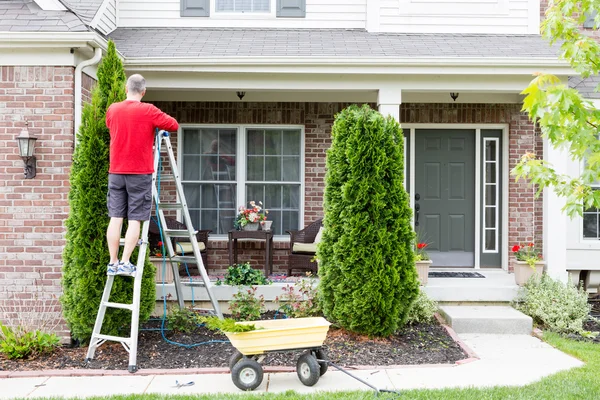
<point x="132" y="127"/>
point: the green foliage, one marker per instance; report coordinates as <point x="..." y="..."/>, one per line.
<point x="553" y="305"/>
<point x="300" y="300"/>
<point x="18" y="343"/>
<point x="227" y="325"/>
<point x="367" y="269"/>
<point x="245" y="275"/>
<point x="182" y="320"/>
<point x="245" y="306"/>
<point x="567" y="120"/>
<point x="422" y="310"/>
<point x="86" y="253"/>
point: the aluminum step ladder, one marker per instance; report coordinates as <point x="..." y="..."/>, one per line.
<point x="131" y="343"/>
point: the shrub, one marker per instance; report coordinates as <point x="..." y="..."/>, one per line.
<point x="422" y="310"/>
<point x="367" y="261"/>
<point x="553" y="305"/>
<point x="18" y="342"/>
<point x="183" y="320"/>
<point x="86" y="253"/>
<point x="244" y="275"/>
<point x="300" y="300"/>
<point x="245" y="306"/>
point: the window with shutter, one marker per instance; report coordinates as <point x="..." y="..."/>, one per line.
<point x="291" y="8"/>
<point x="195" y="8"/>
<point x="243" y="6"/>
<point x="589" y="21"/>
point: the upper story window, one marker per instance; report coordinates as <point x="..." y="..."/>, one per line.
<point x="243" y="6"/>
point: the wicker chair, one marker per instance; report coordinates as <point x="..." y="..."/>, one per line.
<point x="172" y="223"/>
<point x="301" y="259"/>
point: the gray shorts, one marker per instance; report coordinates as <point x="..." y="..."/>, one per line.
<point x="129" y="196"/>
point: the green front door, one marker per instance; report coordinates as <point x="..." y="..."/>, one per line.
<point x="445" y="195"/>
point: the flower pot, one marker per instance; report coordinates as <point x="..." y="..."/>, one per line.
<point x="168" y="275"/>
<point x="423" y="270"/>
<point x="250" y="226"/>
<point x="523" y="271"/>
<point x="266" y="225"/>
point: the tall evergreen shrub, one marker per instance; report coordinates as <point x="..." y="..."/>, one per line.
<point x="367" y="271"/>
<point x="86" y="251"/>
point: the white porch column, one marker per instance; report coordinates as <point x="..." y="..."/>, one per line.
<point x="555" y="221"/>
<point x="388" y="102"/>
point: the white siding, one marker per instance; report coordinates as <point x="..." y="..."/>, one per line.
<point x="462" y="16"/>
<point x="319" y="14"/>
<point x="106" y="18"/>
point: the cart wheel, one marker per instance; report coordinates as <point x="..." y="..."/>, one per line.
<point x="234" y="359"/>
<point x="247" y="374"/>
<point x="320" y="354"/>
<point x="308" y="369"/>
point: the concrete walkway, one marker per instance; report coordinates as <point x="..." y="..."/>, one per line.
<point x="504" y="360"/>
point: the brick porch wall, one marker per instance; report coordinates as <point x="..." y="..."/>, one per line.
<point x="524" y="211"/>
<point x="33" y="211"/>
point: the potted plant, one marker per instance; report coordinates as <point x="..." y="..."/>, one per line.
<point x="528" y="262"/>
<point x="422" y="262"/>
<point x="248" y="219"/>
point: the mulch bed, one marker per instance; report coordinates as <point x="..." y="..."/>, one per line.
<point x="417" y="344"/>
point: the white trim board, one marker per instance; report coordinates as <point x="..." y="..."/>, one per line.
<point x="505" y="175"/>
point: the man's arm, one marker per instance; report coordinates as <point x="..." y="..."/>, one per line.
<point x="164" y="121"/>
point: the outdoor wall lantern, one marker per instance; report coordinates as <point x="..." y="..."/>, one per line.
<point x="454" y="96"/>
<point x="240" y="94"/>
<point x="26" y="144"/>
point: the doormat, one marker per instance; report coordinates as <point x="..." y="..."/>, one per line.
<point x="437" y="274"/>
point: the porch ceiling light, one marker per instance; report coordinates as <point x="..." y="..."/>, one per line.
<point x="26" y="145"/>
<point x="454" y="96"/>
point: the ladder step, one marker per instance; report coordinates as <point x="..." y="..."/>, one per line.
<point x="119" y="305"/>
<point x="185" y="259"/>
<point x="193" y="283"/>
<point x="182" y="233"/>
<point x="125" y="340"/>
<point x="205" y="310"/>
<point x="170" y="206"/>
<point x="167" y="178"/>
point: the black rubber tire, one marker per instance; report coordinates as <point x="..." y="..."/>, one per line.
<point x="308" y="369"/>
<point x="247" y="374"/>
<point x="320" y="354"/>
<point x="234" y="359"/>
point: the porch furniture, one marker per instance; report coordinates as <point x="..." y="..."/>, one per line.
<point x="180" y="245"/>
<point x="303" y="248"/>
<point x="267" y="236"/>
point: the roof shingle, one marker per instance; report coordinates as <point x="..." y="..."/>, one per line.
<point x="27" y="16"/>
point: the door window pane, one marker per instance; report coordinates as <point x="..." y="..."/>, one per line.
<point x="490" y="195"/>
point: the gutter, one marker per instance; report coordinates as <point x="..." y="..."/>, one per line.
<point x="78" y="83"/>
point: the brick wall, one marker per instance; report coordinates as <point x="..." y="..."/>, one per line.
<point x="33" y="211"/>
<point x="595" y="33"/>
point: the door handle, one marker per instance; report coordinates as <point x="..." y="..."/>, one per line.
<point x="417" y="209"/>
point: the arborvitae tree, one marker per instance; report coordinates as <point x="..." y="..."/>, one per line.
<point x="366" y="256"/>
<point x="86" y="252"/>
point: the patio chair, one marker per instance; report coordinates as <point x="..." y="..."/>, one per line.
<point x="180" y="244"/>
<point x="303" y="248"/>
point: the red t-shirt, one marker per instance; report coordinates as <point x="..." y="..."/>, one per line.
<point x="132" y="126"/>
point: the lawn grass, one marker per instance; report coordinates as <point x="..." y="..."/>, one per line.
<point x="579" y="383"/>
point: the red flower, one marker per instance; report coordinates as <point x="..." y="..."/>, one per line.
<point x="516" y="248"/>
<point x="421" y="246"/>
<point x="159" y="244"/>
<point x="530" y="244"/>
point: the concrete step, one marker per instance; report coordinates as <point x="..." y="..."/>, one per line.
<point x="497" y="287"/>
<point x="487" y="319"/>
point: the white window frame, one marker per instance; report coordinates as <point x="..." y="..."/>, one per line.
<point x="496" y="200"/>
<point x="240" y="170"/>
<point x="228" y="14"/>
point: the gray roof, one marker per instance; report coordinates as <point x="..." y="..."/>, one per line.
<point x="86" y="9"/>
<point x="201" y="42"/>
<point x="587" y="86"/>
<point x="27" y="16"/>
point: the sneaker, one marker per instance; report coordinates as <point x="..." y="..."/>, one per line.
<point x="126" y="269"/>
<point x="111" y="269"/>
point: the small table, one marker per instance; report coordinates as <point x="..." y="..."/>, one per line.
<point x="267" y="236"/>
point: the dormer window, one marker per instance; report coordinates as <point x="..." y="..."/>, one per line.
<point x="243" y="6"/>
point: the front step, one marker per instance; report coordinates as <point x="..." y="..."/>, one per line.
<point x="487" y="319"/>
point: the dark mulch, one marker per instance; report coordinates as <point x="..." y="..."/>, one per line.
<point x="418" y="344"/>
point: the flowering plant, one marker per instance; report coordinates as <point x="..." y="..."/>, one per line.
<point x="527" y="254"/>
<point x="250" y="215"/>
<point x="156" y="251"/>
<point x="420" y="253"/>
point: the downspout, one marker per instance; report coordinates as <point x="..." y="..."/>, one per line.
<point x="78" y="83"/>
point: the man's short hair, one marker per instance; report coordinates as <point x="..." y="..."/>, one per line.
<point x="136" y="84"/>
